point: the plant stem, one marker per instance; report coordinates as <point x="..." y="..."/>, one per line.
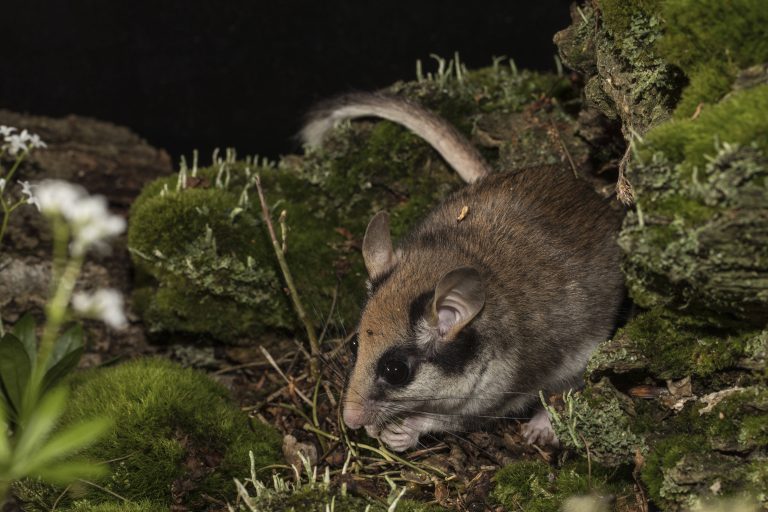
<point x="7" y="211"/>
<point x="16" y="164"/>
<point x="314" y="346"/>
<point x="56" y="308"/>
<point x="6" y="216"/>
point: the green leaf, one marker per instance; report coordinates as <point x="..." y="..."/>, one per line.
<point x="65" y="444"/>
<point x="15" y="368"/>
<point x="61" y="368"/>
<point x="40" y="423"/>
<point x="5" y="445"/>
<point x="65" y="473"/>
<point x="71" y="340"/>
<point x="24" y="330"/>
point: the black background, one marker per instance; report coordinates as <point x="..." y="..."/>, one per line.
<point x="195" y="74"/>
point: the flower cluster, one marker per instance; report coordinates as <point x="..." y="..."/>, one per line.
<point x="87" y="216"/>
<point x="105" y="305"/>
<point x="15" y="143"/>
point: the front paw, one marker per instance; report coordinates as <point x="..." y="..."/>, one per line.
<point x="400" y="437"/>
<point x="539" y="430"/>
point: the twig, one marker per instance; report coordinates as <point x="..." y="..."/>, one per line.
<point x="252" y="364"/>
<point x="60" y="497"/>
<point x="567" y="153"/>
<point x="103" y="489"/>
<point x="381" y="452"/>
<point x="285" y="377"/>
<point x="308" y="326"/>
<point x="330" y="313"/>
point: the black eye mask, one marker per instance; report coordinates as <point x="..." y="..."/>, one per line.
<point x="397" y="366"/>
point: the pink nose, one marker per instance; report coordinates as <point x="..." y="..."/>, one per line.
<point x="354" y="415"/>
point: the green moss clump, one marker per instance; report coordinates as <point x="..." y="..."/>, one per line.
<point x="121" y="506"/>
<point x="738" y="120"/>
<point x="675" y="345"/>
<point x="601" y="417"/>
<point x="711" y="40"/>
<point x="177" y="435"/>
<point x="739" y="423"/>
<point x="666" y="454"/>
<point x="535" y="486"/>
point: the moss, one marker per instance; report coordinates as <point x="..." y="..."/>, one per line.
<point x="311" y="499"/>
<point x="177" y="433"/>
<point x="707" y="86"/>
<point x="666" y="454"/>
<point x="140" y="506"/>
<point x="614" y="43"/>
<point x="170" y="309"/>
<point x="700" y="31"/>
<point x="710" y="449"/>
<point x="711" y="41"/>
<point x="525" y="485"/>
<point x="623" y="19"/>
<point x="675" y="345"/>
<point x="738" y="120"/>
<point x="599" y="417"/>
<point x="538" y="487"/>
<point x="739" y="423"/>
<point x="700" y="186"/>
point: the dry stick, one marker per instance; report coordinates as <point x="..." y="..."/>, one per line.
<point x="314" y="346"/>
<point x="285" y="377"/>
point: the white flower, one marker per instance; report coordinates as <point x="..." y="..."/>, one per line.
<point x="56" y="196"/>
<point x="20" y="142"/>
<point x="14" y="144"/>
<point x="105" y="305"/>
<point x="32" y="140"/>
<point x="26" y="189"/>
<point x="2" y="185"/>
<point x="88" y="216"/>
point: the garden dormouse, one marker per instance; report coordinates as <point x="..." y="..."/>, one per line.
<point x="501" y="291"/>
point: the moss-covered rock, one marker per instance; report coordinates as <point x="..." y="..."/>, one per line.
<point x="177" y="436"/>
<point x="200" y="237"/>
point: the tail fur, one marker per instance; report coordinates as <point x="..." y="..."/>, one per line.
<point x="452" y="145"/>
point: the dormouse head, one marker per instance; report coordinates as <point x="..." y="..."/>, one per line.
<point x="414" y="330"/>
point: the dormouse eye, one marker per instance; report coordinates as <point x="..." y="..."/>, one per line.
<point x="353" y="343"/>
<point x="394" y="371"/>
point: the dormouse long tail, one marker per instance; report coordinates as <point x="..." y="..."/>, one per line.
<point x="451" y="144"/>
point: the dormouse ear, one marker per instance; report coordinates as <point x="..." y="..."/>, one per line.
<point x="459" y="297"/>
<point x="377" y="246"/>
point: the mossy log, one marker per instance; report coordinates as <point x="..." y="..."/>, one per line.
<point x="679" y="393"/>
